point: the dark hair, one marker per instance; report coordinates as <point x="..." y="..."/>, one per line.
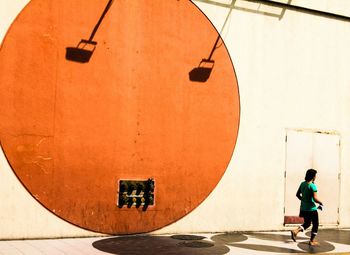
<point x="310" y="174"/>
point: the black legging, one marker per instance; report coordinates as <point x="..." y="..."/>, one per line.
<point x="310" y="216"/>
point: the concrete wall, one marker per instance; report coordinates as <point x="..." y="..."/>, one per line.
<point x="292" y="71"/>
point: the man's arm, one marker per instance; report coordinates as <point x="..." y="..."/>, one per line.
<point x="316" y="199"/>
<point x="298" y="194"/>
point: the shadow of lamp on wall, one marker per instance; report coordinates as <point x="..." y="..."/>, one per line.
<point x="202" y="72"/>
<point x="85" y="48"/>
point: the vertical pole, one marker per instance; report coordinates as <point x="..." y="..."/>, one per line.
<point x="110" y="2"/>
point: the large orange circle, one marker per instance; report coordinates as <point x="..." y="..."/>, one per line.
<point x="71" y="130"/>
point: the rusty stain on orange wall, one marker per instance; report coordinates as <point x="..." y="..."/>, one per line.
<point x="70" y="131"/>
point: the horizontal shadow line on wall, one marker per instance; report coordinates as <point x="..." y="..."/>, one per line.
<point x="282" y="6"/>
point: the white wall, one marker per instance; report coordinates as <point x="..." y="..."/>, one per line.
<point x="293" y="72"/>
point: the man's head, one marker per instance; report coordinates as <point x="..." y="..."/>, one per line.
<point x="310" y="175"/>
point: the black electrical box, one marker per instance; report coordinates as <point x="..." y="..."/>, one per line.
<point x="136" y="193"/>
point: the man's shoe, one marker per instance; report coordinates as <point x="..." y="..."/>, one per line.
<point x="314" y="243"/>
<point x="293" y="235"/>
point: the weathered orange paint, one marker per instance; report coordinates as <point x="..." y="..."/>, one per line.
<point x="70" y="131"/>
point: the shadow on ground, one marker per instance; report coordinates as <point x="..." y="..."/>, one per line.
<point x="334" y="235"/>
<point x="219" y="244"/>
<point x="150" y="245"/>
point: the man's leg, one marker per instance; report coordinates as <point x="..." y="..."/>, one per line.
<point x="314" y="230"/>
<point x="306" y="224"/>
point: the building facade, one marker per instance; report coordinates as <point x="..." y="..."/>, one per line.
<point x="283" y="108"/>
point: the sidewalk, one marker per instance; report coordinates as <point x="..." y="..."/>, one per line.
<point x="331" y="242"/>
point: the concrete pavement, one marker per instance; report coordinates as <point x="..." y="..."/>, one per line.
<point x="331" y="242"/>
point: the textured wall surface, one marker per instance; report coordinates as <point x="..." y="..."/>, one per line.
<point x="72" y="130"/>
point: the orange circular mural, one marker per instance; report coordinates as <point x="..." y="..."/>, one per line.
<point x="93" y="92"/>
